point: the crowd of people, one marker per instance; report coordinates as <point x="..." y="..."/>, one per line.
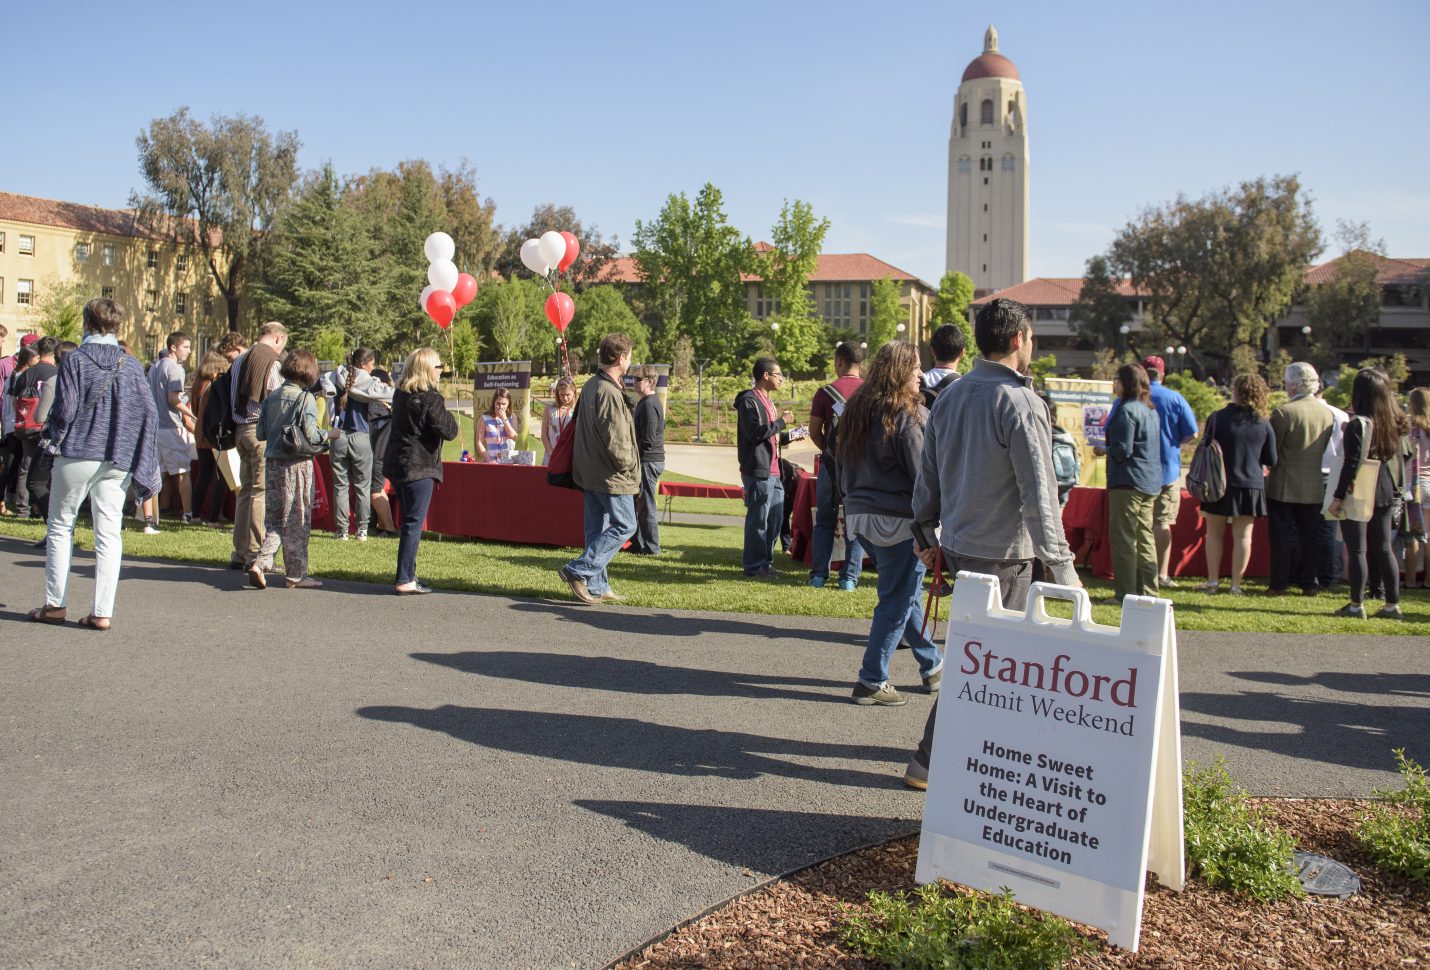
<point x="917" y="470"/>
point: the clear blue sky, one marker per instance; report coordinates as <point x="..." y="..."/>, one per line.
<point x="608" y="107"/>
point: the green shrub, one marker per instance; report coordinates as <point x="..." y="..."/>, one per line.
<point x="1397" y="834"/>
<point x="1204" y="400"/>
<point x="934" y="928"/>
<point x="1230" y="843"/>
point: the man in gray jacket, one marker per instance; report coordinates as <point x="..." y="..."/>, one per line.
<point x="605" y="462"/>
<point x="987" y="478"/>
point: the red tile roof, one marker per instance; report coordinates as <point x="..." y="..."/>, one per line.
<point x="832" y="268"/>
<point x="990" y="64"/>
<point x="1049" y="291"/>
<point x="1389" y="271"/>
<point x="71" y="215"/>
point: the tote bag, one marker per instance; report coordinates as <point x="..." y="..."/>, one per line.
<point x="1206" y="477"/>
<point x="1359" y="502"/>
<point x="227" y="461"/>
<point x="558" y="463"/>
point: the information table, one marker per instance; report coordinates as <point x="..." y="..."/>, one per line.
<point x="502" y="503"/>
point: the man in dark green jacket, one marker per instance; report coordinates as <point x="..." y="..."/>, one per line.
<point x="605" y="462"/>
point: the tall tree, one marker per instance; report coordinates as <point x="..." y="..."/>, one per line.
<point x="218" y="188"/>
<point x="60" y="305"/>
<point x="470" y="221"/>
<point x="1101" y="310"/>
<point x="1342" y="311"/>
<point x="509" y="320"/>
<point x="885" y="313"/>
<point x="601" y="310"/>
<point x="596" y="250"/>
<point x="691" y="261"/>
<point x="797" y="238"/>
<point x="955" y="295"/>
<point x="320" y="273"/>
<point x="1217" y="269"/>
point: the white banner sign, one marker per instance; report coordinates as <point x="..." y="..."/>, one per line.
<point x="1056" y="765"/>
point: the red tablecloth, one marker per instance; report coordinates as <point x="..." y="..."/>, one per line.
<point x="700" y="490"/>
<point x="503" y="503"/>
<point x="801" y="523"/>
<point x="1085" y="522"/>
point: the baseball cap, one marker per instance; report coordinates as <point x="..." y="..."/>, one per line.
<point x="28" y="339"/>
<point x="1155" y="363"/>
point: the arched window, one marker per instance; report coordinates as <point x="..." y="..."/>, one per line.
<point x="963" y="115"/>
<point x="1012" y="112"/>
<point x="985" y="115"/>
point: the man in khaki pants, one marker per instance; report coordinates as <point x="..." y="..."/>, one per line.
<point x="254" y="376"/>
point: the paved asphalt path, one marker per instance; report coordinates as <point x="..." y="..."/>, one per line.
<point x="342" y="778"/>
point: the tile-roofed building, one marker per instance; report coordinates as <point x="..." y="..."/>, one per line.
<point x="841" y="284"/>
<point x="46" y="243"/>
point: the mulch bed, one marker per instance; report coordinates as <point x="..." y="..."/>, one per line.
<point x="795" y="922"/>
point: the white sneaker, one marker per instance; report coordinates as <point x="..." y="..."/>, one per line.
<point x="340" y="536"/>
<point x="150" y="529"/>
<point x="362" y="535"/>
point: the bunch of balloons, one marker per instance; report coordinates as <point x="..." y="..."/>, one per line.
<point x="547" y="257"/>
<point x="449" y="290"/>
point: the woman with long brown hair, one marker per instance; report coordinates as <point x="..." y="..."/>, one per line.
<point x="1248" y="448"/>
<point x="879" y="448"/>
<point x="1377" y="431"/>
<point x="1134" y="480"/>
<point x="210" y="489"/>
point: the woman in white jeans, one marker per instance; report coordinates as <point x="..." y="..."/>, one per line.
<point x="102" y="430"/>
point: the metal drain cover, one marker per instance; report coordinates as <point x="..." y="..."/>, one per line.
<point x="1325" y="877"/>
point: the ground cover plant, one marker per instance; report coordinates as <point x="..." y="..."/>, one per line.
<point x="943" y="926"/>
<point x="699" y="569"/>
<point x="1230" y="843"/>
<point x="1396" y="832"/>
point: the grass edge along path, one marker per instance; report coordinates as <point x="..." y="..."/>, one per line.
<point x="699" y="569"/>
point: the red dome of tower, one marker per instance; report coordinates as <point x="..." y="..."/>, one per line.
<point x="991" y="64"/>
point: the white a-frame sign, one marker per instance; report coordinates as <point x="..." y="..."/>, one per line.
<point x="1057" y="767"/>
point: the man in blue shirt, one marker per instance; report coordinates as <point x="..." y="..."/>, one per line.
<point x="1177" y="425"/>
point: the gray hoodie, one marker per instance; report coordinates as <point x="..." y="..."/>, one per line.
<point x="987" y="472"/>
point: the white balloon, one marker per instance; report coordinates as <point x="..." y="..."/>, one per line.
<point x="531" y="257"/>
<point x="439" y="247"/>
<point x="422" y="300"/>
<point x="442" y="274"/>
<point x="553" y="247"/>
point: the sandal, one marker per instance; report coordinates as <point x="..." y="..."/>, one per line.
<point x="48" y="614"/>
<point x="92" y="622"/>
<point x="1209" y="586"/>
<point x="306" y="582"/>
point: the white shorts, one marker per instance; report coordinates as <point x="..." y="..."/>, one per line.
<point x="176" y="451"/>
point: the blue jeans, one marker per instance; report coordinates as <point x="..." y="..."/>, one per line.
<point x="901" y="577"/>
<point x="764" y="512"/>
<point x="610" y="521"/>
<point x="414" y="497"/>
<point x="648" y="509"/>
<point x="826" y="520"/>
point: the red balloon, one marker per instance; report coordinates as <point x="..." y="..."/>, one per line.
<point x="441" y="308"/>
<point x="573" y="249"/>
<point x="465" y="289"/>
<point x="559" y="310"/>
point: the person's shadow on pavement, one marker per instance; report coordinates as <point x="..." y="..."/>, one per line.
<point x="621" y="742"/>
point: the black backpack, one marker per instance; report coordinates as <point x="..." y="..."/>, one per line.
<point x="931" y="393"/>
<point x="218" y="414"/>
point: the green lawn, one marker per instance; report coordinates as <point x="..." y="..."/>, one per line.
<point x="700" y="570"/>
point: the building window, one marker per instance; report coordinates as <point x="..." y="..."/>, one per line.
<point x="2" y="242"/>
<point x="985" y="237"/>
<point x="208" y="306"/>
<point x="152" y="261"/>
<point x="985" y="180"/>
<point x="985" y="112"/>
<point x="24" y="291"/>
<point x="2" y="291"/>
<point x="81" y="252"/>
<point x="965" y="164"/>
<point x="27" y="245"/>
<point x="151" y="300"/>
<point x="181" y="303"/>
<point x="963" y="115"/>
<point x="183" y="263"/>
<point x="985" y="207"/>
<point x="1007" y="163"/>
<point x="106" y="254"/>
<point x="106" y="292"/>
